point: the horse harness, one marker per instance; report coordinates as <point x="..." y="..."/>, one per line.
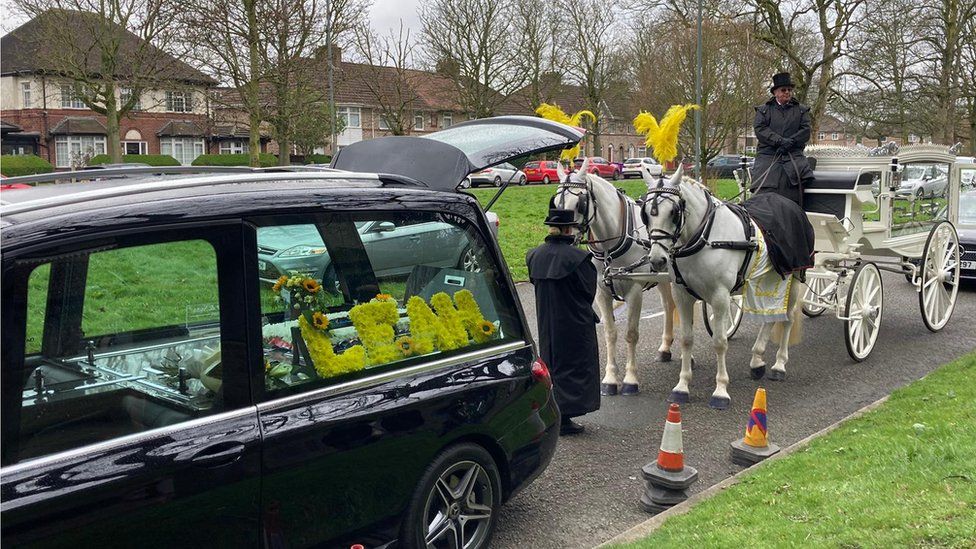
<point x="623" y="242"/>
<point x="699" y="240"/>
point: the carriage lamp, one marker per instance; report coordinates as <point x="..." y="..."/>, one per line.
<point x="743" y="162"/>
<point x="894" y="174"/>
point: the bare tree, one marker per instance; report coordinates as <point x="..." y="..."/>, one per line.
<point x="594" y="58"/>
<point x="103" y="49"/>
<point x="968" y="81"/>
<point x="387" y="74"/>
<point x="810" y="36"/>
<point x="538" y="48"/>
<point x="471" y="42"/>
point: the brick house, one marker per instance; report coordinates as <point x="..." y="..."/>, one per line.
<point x="42" y="114"/>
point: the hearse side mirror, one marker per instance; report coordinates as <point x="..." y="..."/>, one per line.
<point x="384" y="227"/>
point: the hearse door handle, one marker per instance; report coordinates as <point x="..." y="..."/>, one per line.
<point x="222" y="453"/>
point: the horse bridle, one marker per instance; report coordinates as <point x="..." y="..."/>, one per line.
<point x="582" y="193"/>
<point x="653" y="197"/>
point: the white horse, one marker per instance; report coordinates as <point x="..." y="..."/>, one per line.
<point x="609" y="221"/>
<point x="676" y="214"/>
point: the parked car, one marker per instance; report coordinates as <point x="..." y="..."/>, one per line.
<point x="923" y="180"/>
<point x="968" y="177"/>
<point x="496" y="175"/>
<point x="155" y="393"/>
<point x="967" y="234"/>
<point x="541" y="171"/>
<point x="724" y="166"/>
<point x="632" y="166"/>
<point x="601" y="167"/>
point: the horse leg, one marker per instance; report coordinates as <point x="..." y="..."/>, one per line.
<point x="778" y="371"/>
<point x="604" y="302"/>
<point x="633" y="297"/>
<point x="667" y="337"/>
<point x="720" y="309"/>
<point x="686" y="304"/>
<point x="757" y="367"/>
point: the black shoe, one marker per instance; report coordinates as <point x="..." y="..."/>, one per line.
<point x="570" y="427"/>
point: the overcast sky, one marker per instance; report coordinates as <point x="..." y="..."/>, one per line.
<point x="387" y="13"/>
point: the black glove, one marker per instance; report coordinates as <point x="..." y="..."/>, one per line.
<point x="787" y="143"/>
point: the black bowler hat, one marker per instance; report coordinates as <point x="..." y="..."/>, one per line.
<point x="781" y="80"/>
<point x="560" y="218"/>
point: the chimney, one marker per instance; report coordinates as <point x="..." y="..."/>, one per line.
<point x="322" y="53"/>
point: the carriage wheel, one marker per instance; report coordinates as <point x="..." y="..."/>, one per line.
<point x="939" y="276"/>
<point x="735" y="312"/>
<point x="815" y="287"/>
<point x="865" y="302"/>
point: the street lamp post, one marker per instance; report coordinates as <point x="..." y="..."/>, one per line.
<point x="331" y="71"/>
<point x="698" y="96"/>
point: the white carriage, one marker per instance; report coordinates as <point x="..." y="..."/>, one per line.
<point x="869" y="217"/>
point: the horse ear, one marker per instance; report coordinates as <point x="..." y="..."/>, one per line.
<point x="560" y="172"/>
<point x="646" y="174"/>
<point x="678" y="174"/>
<point x="585" y="167"/>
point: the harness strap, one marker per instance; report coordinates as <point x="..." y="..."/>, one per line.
<point x="625" y="240"/>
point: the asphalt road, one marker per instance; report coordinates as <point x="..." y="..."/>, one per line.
<point x="591" y="489"/>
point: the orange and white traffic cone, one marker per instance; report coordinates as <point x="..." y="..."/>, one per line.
<point x="754" y="446"/>
<point x="668" y="478"/>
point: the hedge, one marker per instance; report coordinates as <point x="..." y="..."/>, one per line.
<point x="267" y="160"/>
<point x="151" y="159"/>
<point x="23" y="164"/>
<point x="318" y="159"/>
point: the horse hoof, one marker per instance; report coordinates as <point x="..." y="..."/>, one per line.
<point x="608" y="389"/>
<point x="629" y="389"/>
<point x="664" y="356"/>
<point x="719" y="403"/>
<point x="678" y="397"/>
<point x="758" y="373"/>
<point x="777" y="375"/>
<point x="694" y="363"/>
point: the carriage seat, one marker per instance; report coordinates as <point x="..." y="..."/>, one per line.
<point x="830" y="191"/>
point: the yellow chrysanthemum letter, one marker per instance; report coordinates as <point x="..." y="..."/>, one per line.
<point x="374" y="321"/>
<point x="663" y="137"/>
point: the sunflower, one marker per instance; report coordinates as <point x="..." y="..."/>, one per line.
<point x="319" y="320"/>
<point x="311" y="286"/>
<point x="487" y="327"/>
<point x="281" y="282"/>
<point x="405" y="344"/>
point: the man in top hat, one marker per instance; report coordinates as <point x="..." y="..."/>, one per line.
<point x="565" y="284"/>
<point x="782" y="127"/>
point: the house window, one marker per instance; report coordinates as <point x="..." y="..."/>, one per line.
<point x="70" y="98"/>
<point x="134" y="147"/>
<point x="177" y="101"/>
<point x="234" y="146"/>
<point x="913" y="138"/>
<point x="750" y="150"/>
<point x="184" y="149"/>
<point x="821" y="136"/>
<point x="25" y="88"/>
<point x="447" y="120"/>
<point x="418" y="121"/>
<point x="834" y="136"/>
<point x="352" y="116"/>
<point x="383" y="124"/>
<point x="125" y="94"/>
<point x="76" y="150"/>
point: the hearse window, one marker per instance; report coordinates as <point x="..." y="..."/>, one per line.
<point x="379" y="293"/>
<point x="117" y="340"/>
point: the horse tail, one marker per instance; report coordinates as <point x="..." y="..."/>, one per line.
<point x="795" y="311"/>
<point x="796" y="333"/>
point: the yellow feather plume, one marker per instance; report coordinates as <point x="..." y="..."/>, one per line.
<point x="554" y="113"/>
<point x="663" y="137"/>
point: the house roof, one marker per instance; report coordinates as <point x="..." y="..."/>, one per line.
<point x="75" y="125"/>
<point x="234" y="131"/>
<point x="9" y="127"/>
<point x="29" y="49"/>
<point x="180" y="128"/>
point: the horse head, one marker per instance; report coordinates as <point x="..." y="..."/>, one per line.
<point x="572" y="193"/>
<point x="662" y="212"/>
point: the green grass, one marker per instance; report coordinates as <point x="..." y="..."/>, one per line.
<point x="903" y="475"/>
<point x="522" y="209"/>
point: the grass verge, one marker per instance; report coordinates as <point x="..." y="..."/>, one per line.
<point x="522" y="209"/>
<point x="903" y="475"/>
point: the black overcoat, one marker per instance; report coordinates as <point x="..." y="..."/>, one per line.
<point x="565" y="284"/>
<point x="780" y="169"/>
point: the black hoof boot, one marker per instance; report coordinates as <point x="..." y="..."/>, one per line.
<point x="678" y="397"/>
<point x="719" y="403"/>
<point x="629" y="389"/>
<point x="777" y="375"/>
<point x="608" y="389"/>
<point x="664" y="356"/>
<point x="757" y="373"/>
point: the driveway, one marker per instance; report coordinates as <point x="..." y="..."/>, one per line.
<point x="590" y="491"/>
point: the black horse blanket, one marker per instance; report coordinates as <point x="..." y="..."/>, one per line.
<point x="787" y="230"/>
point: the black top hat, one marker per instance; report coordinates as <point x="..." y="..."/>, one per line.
<point x="781" y="80"/>
<point x="561" y="218"/>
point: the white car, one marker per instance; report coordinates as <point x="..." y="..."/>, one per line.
<point x="632" y="166"/>
<point x="496" y="175"/>
<point x="923" y="180"/>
